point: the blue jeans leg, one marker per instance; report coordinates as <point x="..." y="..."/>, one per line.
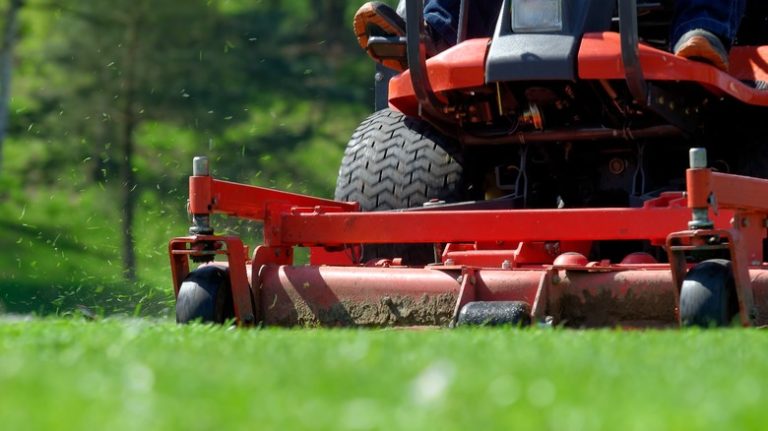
<point x="443" y="17"/>
<point x="721" y="17"/>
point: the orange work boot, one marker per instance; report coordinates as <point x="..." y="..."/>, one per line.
<point x="701" y="45"/>
<point x="378" y="19"/>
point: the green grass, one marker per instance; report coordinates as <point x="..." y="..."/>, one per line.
<point x="69" y="374"/>
<point x="61" y="249"/>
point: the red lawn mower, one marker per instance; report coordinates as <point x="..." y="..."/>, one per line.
<point x="575" y="175"/>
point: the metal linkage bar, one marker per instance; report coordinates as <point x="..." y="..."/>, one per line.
<point x="208" y="196"/>
<point x="630" y="52"/>
<point x="416" y="50"/>
<point x="312" y="228"/>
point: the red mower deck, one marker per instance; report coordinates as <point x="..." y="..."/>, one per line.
<point x="532" y="256"/>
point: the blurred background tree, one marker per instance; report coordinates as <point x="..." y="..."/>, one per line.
<point x="7" y="47"/>
<point x="111" y="100"/>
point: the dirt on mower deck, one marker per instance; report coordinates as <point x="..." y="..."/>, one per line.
<point x="587" y="309"/>
<point x="386" y="311"/>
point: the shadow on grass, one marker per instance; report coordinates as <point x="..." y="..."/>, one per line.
<point x="42" y="234"/>
<point x="45" y="299"/>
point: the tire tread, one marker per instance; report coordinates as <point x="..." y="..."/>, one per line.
<point x="393" y="162"/>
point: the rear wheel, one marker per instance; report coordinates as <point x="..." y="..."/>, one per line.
<point x="205" y="296"/>
<point x="394" y="162"/>
<point x="708" y="296"/>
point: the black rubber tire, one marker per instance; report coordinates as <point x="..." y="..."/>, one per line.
<point x="708" y="296"/>
<point x="205" y="296"/>
<point x="392" y="162"/>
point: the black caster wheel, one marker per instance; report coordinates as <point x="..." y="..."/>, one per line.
<point x="205" y="296"/>
<point x="708" y="296"/>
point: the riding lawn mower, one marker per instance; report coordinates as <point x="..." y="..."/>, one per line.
<point x="566" y="170"/>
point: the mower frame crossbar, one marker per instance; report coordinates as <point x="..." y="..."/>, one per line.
<point x="510" y="226"/>
<point x="297" y="220"/>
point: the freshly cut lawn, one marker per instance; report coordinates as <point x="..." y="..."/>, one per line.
<point x="145" y="375"/>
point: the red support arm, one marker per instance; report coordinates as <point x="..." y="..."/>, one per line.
<point x="727" y="190"/>
<point x="208" y="195"/>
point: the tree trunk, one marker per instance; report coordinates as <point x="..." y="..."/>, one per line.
<point x="6" y="65"/>
<point x="127" y="176"/>
<point x="332" y="20"/>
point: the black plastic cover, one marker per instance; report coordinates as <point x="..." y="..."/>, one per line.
<point x="544" y="56"/>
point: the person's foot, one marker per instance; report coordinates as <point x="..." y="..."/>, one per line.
<point x="702" y="45"/>
<point x="378" y="19"/>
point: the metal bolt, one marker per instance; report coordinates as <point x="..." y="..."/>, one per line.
<point x="617" y="166"/>
<point x="449" y="262"/>
<point x="712" y="201"/>
<point x="506" y="265"/>
<point x="200" y="166"/>
<point x="379" y="77"/>
<point x="697" y="158"/>
<point x="700" y="219"/>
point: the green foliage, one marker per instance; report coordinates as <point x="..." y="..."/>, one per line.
<point x="144" y="375"/>
<point x="269" y="90"/>
<point x="236" y="80"/>
<point x="61" y="250"/>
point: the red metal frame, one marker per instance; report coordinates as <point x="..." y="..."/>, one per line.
<point x="600" y="58"/>
<point x="463" y="67"/>
<point x="594" y="224"/>
<point x="208" y="195"/>
<point x="489" y="245"/>
<point x="297" y="220"/>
